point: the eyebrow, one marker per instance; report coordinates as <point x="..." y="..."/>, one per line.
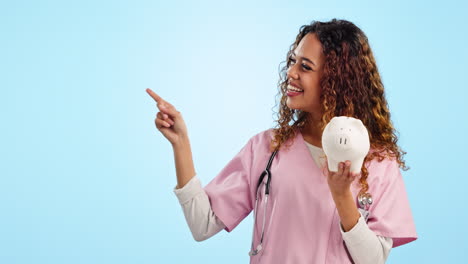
<point x="304" y="58"/>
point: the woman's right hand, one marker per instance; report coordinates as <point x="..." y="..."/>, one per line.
<point x="169" y="121"/>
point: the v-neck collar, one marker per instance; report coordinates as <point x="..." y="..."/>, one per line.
<point x="301" y="146"/>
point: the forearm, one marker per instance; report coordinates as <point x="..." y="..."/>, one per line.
<point x="347" y="210"/>
<point x="364" y="245"/>
<point x="185" y="169"/>
<point x="202" y="221"/>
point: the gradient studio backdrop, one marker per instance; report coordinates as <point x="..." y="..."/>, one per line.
<point x="86" y="177"/>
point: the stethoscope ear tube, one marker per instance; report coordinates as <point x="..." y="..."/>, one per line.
<point x="267" y="170"/>
<point x="267" y="186"/>
<point x="268" y="173"/>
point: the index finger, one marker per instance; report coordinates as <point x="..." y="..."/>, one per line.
<point x="156" y="97"/>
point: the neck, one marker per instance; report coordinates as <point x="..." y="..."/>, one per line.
<point x="311" y="131"/>
<point x="312" y="127"/>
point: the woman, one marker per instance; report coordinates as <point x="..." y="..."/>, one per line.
<point x="312" y="215"/>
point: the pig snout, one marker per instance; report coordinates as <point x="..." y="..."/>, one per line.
<point x="343" y="141"/>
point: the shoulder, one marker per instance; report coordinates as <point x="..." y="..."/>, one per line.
<point x="262" y="139"/>
<point x="384" y="172"/>
<point x="260" y="142"/>
<point x="388" y="160"/>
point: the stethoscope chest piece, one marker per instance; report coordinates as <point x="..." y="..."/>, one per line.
<point x="365" y="200"/>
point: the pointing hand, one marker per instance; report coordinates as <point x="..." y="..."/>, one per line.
<point x="169" y="121"/>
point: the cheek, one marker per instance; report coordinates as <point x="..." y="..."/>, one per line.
<point x="314" y="90"/>
<point x="313" y="96"/>
<point x="312" y="82"/>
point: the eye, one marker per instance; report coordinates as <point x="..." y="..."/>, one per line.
<point x="306" y="67"/>
<point x="291" y="61"/>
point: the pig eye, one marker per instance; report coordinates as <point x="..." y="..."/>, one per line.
<point x="350" y="129"/>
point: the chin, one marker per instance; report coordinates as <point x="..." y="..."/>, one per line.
<point x="293" y="107"/>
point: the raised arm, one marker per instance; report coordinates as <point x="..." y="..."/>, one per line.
<point x="170" y="123"/>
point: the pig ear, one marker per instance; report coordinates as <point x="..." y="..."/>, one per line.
<point x="363" y="127"/>
<point x="357" y="120"/>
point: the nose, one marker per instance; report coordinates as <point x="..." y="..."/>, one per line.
<point x="292" y="72"/>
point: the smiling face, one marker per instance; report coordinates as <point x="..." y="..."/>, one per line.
<point x="305" y="70"/>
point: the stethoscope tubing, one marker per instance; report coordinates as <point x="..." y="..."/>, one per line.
<point x="266" y="187"/>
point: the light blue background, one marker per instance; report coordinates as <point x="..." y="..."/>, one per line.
<point x="86" y="177"/>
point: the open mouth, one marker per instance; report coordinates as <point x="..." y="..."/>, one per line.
<point x="294" y="89"/>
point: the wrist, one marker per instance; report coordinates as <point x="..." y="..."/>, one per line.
<point x="340" y="196"/>
<point x="182" y="142"/>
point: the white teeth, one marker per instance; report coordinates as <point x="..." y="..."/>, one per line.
<point x="292" y="88"/>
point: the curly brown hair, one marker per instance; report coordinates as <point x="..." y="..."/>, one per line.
<point x="350" y="86"/>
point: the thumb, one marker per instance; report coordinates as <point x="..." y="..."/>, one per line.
<point x="325" y="168"/>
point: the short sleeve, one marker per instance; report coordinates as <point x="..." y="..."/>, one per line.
<point x="229" y="192"/>
<point x="390" y="213"/>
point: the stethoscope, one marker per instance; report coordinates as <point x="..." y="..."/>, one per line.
<point x="364" y="200"/>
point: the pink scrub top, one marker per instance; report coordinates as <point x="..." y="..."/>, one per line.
<point x="302" y="223"/>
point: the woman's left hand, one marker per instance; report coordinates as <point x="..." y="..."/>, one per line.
<point x="339" y="182"/>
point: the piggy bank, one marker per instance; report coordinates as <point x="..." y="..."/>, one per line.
<point x="345" y="138"/>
